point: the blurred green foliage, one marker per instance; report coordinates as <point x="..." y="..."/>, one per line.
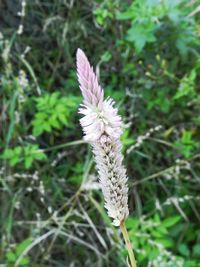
<point x="153" y="19"/>
<point x="146" y="53"/>
<point x="27" y="155"/>
<point x="53" y="112"/>
<point x="13" y="256"/>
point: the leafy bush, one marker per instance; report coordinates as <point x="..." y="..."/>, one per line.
<point x="53" y="112"/>
<point x="25" y="155"/>
<point x="152" y="19"/>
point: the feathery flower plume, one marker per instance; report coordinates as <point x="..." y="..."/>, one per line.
<point x="102" y="127"/>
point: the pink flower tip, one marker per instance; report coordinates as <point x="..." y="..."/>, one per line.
<point x="90" y="88"/>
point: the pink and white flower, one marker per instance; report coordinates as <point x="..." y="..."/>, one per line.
<point x="102" y="127"/>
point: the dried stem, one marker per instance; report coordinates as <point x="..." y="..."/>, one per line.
<point x="128" y="244"/>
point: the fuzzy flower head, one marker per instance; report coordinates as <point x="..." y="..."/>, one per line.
<point x="102" y="127"/>
<point x="100" y="116"/>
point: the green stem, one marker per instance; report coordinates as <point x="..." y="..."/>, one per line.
<point x="128" y="244"/>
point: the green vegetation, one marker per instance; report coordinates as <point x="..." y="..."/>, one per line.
<point x="147" y="55"/>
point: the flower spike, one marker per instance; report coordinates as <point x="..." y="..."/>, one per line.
<point x="102" y="127"/>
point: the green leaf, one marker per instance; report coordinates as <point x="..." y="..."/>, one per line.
<point x="183" y="249"/>
<point x="196" y="250"/>
<point x="167" y="243"/>
<point x="7" y="154"/>
<point x="153" y="253"/>
<point x="40" y="116"/>
<point x="141" y="34"/>
<point x="132" y="223"/>
<point x="53" y="99"/>
<point x="156" y="234"/>
<point x="40" y="156"/>
<point x="22" y="246"/>
<point x="54" y="122"/>
<point x="38" y="130"/>
<point x="14" y="160"/>
<point x="106" y="56"/>
<point x="187" y="86"/>
<point x="129" y="14"/>
<point x="76" y="179"/>
<point x="24" y="261"/>
<point x="162" y="229"/>
<point x="60" y="108"/>
<point x="47" y="127"/>
<point x="187" y="138"/>
<point x="62" y="118"/>
<point x="157" y="218"/>
<point x="169" y="222"/>
<point x="11" y="257"/>
<point x="28" y="162"/>
<point x="18" y="150"/>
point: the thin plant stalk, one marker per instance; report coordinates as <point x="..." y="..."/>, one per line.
<point x="128" y="244"/>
